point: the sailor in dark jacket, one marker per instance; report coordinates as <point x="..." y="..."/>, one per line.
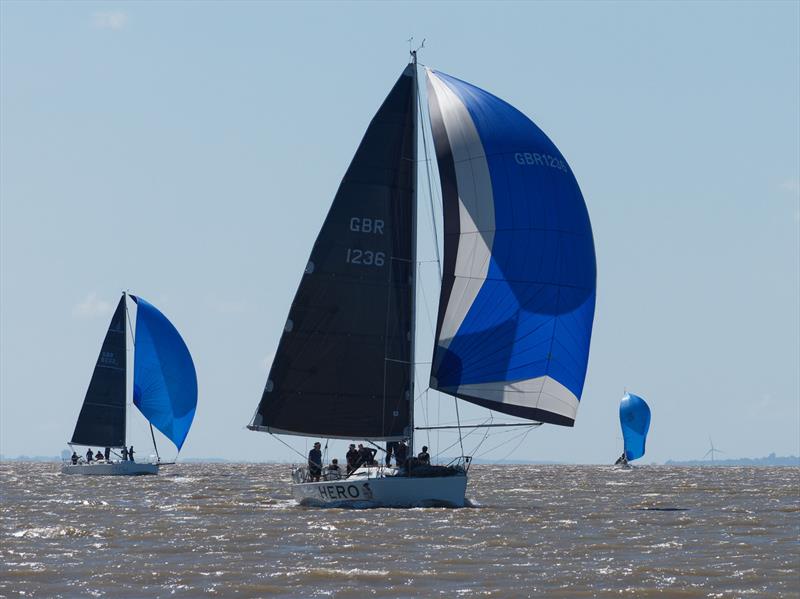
<point x="366" y="455"/>
<point x="89" y="455"/>
<point x="352" y="459"/>
<point x="401" y="454"/>
<point x="424" y="457"/>
<point x="107" y="454"/>
<point x="74" y="458"/>
<point x="315" y="462"/>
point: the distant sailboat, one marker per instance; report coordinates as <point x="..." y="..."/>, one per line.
<point x="634" y="418"/>
<point x="516" y="304"/>
<point x="164" y="389"/>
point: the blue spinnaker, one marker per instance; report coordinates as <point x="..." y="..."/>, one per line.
<point x="634" y="418"/>
<point x="164" y="379"/>
<point x="519" y="274"/>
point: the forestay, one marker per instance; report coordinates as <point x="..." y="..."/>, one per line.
<point x="518" y="289"/>
<point x="102" y="418"/>
<point x="342" y="368"/>
<point x="164" y="378"/>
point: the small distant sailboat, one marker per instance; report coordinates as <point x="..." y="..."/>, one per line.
<point x="164" y="390"/>
<point x="518" y="281"/>
<point x="634" y="418"/>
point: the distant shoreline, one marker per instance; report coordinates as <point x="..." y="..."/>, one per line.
<point x="767" y="461"/>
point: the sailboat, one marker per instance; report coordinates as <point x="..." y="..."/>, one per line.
<point x="164" y="390"/>
<point x="634" y="419"/>
<point x="518" y="280"/>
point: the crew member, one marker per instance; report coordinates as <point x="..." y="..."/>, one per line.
<point x="98" y="456"/>
<point x="352" y="459"/>
<point x="124" y="454"/>
<point x="390" y="448"/>
<point x="366" y="455"/>
<point x="315" y="462"/>
<point x="334" y="473"/>
<point x="107" y="454"/>
<point x="130" y="454"/>
<point x="401" y="454"/>
<point x="424" y="457"/>
<point x="89" y="455"/>
<point x="74" y="458"/>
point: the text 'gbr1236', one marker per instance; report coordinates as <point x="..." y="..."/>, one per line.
<point x="365" y="257"/>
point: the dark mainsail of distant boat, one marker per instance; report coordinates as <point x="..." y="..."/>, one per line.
<point x="343" y="364"/>
<point x="519" y="274"/>
<point x="164" y="379"/>
<point x="102" y="418"/>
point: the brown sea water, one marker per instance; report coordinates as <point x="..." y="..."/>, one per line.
<point x="232" y="530"/>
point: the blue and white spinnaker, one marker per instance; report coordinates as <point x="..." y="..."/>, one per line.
<point x="519" y="271"/>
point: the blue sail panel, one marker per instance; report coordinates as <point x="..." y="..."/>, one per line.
<point x="519" y="272"/>
<point x="164" y="378"/>
<point x="634" y="418"/>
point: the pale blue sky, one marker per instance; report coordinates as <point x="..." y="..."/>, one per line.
<point x="189" y="152"/>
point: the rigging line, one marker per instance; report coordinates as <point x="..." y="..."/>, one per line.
<point x="458" y="419"/>
<point x="426" y="404"/>
<point x="427" y="312"/>
<point x="485" y="436"/>
<point x="274" y="436"/>
<point x="521" y="441"/>
<point x="457" y="442"/>
<point x="506" y="442"/>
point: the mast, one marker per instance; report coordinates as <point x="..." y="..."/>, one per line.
<point x="411" y="391"/>
<point x="125" y="412"/>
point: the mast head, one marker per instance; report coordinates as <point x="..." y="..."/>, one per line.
<point x="413" y="51"/>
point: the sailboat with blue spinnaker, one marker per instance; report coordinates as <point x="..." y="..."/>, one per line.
<point x="518" y="280"/>
<point x="634" y="419"/>
<point x="164" y="391"/>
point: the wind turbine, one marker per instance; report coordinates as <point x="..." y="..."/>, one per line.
<point x="712" y="451"/>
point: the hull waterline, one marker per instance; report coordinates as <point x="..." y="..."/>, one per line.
<point x="111" y="469"/>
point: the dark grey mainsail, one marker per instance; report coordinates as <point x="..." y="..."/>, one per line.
<point x="102" y="418"/>
<point x="343" y="365"/>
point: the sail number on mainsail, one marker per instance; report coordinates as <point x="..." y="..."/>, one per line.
<point x="371" y="226"/>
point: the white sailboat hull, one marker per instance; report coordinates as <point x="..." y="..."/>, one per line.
<point x="110" y="469"/>
<point x="374" y="489"/>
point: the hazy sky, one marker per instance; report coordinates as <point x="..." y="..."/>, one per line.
<point x="189" y="152"/>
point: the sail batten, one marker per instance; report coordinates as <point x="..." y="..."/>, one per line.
<point x="518" y="286"/>
<point x="101" y="421"/>
<point x="343" y="364"/>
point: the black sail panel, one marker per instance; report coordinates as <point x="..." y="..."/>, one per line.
<point x="102" y="418"/>
<point x="342" y="368"/>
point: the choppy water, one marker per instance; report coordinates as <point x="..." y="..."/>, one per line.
<point x="557" y="531"/>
